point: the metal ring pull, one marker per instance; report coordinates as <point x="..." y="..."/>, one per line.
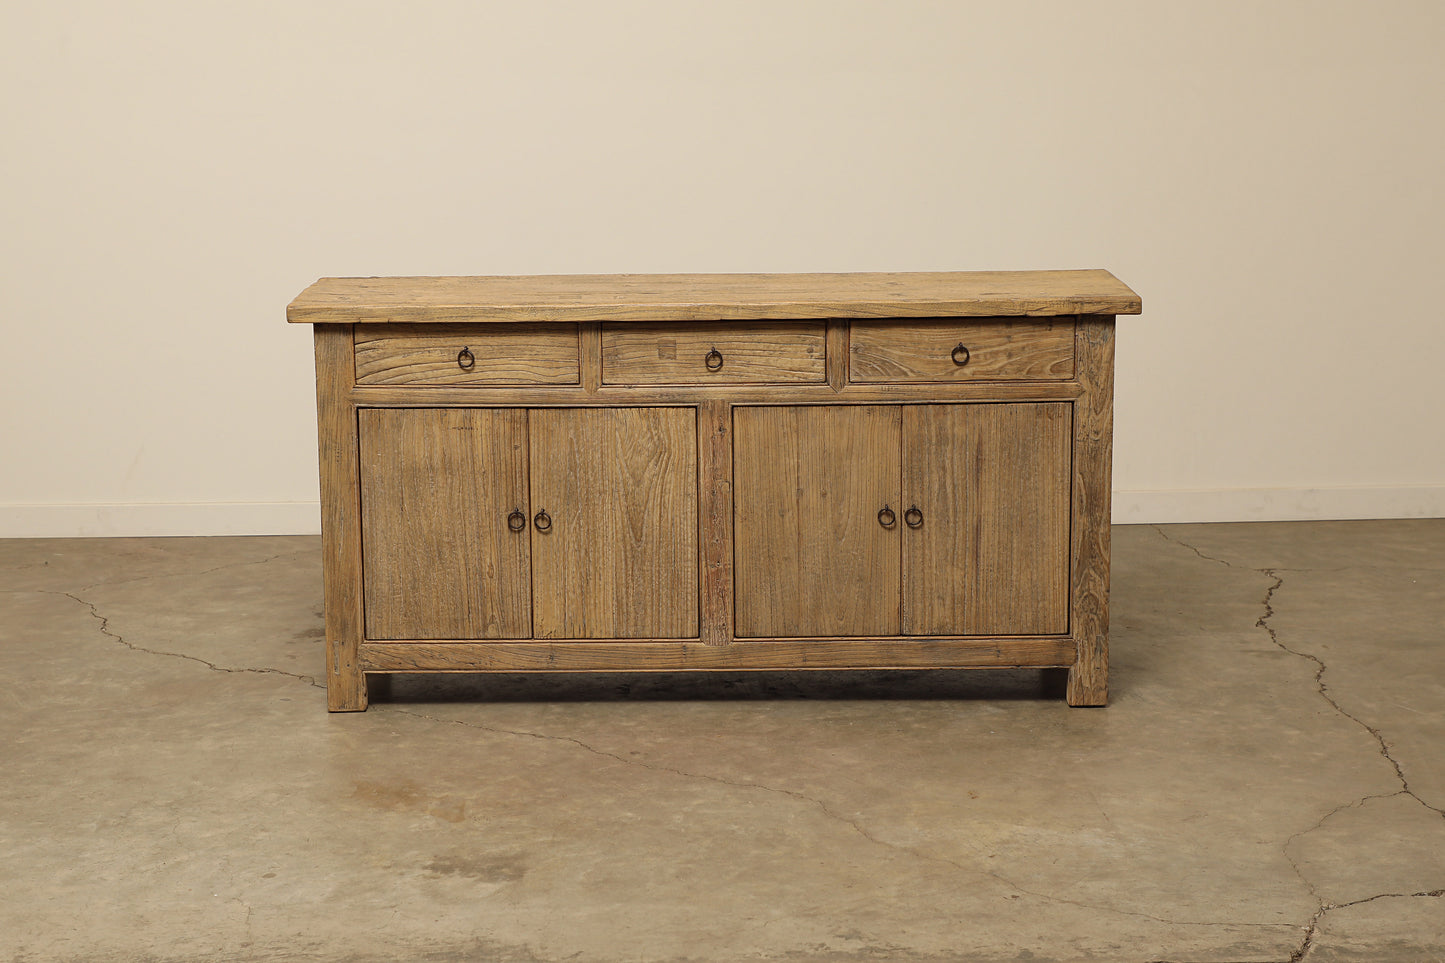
<point x="959" y="355"/>
<point x="886" y="517"/>
<point x="466" y="360"/>
<point x="542" y="521"/>
<point x="714" y="360"/>
<point x="516" y="521"/>
<point x="913" y="518"/>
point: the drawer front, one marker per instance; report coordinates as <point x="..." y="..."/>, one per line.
<point x="953" y="349"/>
<point x="467" y="354"/>
<point x="703" y="353"/>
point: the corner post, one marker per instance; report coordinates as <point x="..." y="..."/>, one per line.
<point x="1092" y="479"/>
<point x="340" y="516"/>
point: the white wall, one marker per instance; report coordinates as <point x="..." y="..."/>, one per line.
<point x="1266" y="175"/>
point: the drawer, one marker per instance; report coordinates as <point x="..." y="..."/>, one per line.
<point x="955" y="349"/>
<point x="467" y="354"/>
<point x="706" y="353"/>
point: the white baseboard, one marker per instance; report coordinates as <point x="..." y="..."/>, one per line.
<point x="160" y="518"/>
<point x="1278" y="504"/>
<point x="1130" y="507"/>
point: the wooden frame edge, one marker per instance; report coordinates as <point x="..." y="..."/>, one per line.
<point x="339" y="457"/>
<point x="1088" y="683"/>
<point x="663" y="656"/>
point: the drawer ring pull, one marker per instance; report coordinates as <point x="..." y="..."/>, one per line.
<point x="516" y="521"/>
<point x="886" y="517"/>
<point x="466" y="360"/>
<point x="913" y="518"/>
<point x="959" y="355"/>
<point x="542" y="521"/>
<point x="714" y="360"/>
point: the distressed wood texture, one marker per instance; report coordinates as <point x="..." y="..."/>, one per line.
<point x="670" y="354"/>
<point x="1093" y="466"/>
<point x="590" y="339"/>
<point x="990" y="553"/>
<point x="715" y="519"/>
<point x="712" y="297"/>
<point x="437" y="487"/>
<point x="625" y="396"/>
<point x="997" y="350"/>
<point x="812" y="558"/>
<point x="340" y="518"/>
<point x="620" y="558"/>
<point x="665" y="656"/>
<point x="427" y="354"/>
<point x="837" y="354"/>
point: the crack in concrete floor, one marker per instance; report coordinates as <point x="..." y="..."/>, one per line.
<point x="803" y="797"/>
<point x="105" y="630"/>
<point x="1277" y="581"/>
<point x="854" y="824"/>
<point x="1311" y="928"/>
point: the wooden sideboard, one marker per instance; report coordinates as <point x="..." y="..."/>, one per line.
<point x="715" y="472"/>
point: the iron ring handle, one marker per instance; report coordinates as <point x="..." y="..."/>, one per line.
<point x="886" y="517"/>
<point x="466" y="360"/>
<point x="542" y="521"/>
<point x="959" y="355"/>
<point x="713" y="360"/>
<point x="516" y="521"/>
<point x="913" y="518"/>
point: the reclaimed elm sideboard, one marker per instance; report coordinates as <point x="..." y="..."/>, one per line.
<point x="715" y="472"/>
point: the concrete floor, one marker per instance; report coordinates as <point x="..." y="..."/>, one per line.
<point x="1268" y="783"/>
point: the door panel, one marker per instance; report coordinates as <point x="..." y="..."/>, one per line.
<point x="439" y="560"/>
<point x="812" y="559"/>
<point x="620" y="488"/>
<point x="991" y="556"/>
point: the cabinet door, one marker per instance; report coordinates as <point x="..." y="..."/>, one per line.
<point x="618" y="558"/>
<point x="812" y="559"/>
<point x="990" y="555"/>
<point x="439" y="559"/>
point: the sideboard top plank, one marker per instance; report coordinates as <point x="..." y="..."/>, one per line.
<point x="712" y="297"/>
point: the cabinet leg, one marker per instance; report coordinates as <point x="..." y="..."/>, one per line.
<point x="1093" y="469"/>
<point x="1089" y="676"/>
<point x="345" y="682"/>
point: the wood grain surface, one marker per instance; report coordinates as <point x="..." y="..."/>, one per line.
<point x="837" y="354"/>
<point x="799" y="394"/>
<point x="437" y="485"/>
<point x="340" y="518"/>
<point x="715" y="519"/>
<point x="811" y="556"/>
<point x="711" y="297"/>
<point x="665" y="656"/>
<point x="426" y="354"/>
<point x="590" y="338"/>
<point x="620" y="488"/>
<point x="1092" y="472"/>
<point x="991" y="556"/>
<point x="669" y="354"/>
<point x="997" y="350"/>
